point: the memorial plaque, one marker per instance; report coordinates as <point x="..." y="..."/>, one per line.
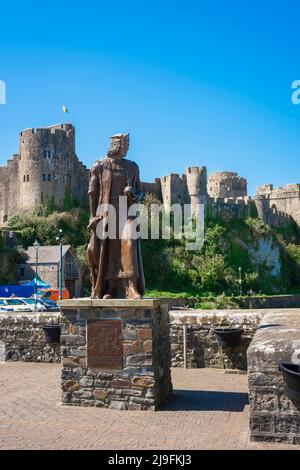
<point x="104" y="344"/>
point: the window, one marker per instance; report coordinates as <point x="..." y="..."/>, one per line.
<point x="14" y="302"/>
<point x="27" y="177"/>
<point x="71" y="268"/>
<point x="45" y="153"/>
<point x="24" y="178"/>
<point x="49" y="177"/>
<point x="44" y="177"/>
<point x="49" y="154"/>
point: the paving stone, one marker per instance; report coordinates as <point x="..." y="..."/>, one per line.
<point x="209" y="411"/>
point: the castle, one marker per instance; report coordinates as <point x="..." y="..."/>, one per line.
<point x="44" y="172"/>
<point x="47" y="169"/>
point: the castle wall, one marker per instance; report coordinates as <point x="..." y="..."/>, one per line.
<point x="153" y="188"/>
<point x="234" y="208"/>
<point x="9" y="188"/>
<point x="281" y="201"/>
<point x="174" y="190"/>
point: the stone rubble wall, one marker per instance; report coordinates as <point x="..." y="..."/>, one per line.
<point x="22" y="337"/>
<point x="144" y="383"/>
<point x="202" y="347"/>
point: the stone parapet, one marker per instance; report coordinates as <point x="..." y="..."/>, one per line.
<point x="202" y="347"/>
<point x="273" y="416"/>
<point x="22" y="337"/>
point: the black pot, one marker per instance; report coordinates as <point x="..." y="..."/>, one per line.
<point x="52" y="333"/>
<point x="228" y="337"/>
<point x="291" y="377"/>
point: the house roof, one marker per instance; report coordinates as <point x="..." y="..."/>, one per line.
<point x="46" y="254"/>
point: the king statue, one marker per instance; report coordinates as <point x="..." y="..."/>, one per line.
<point x="115" y="261"/>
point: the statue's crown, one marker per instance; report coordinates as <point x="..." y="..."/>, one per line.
<point x="120" y="136"/>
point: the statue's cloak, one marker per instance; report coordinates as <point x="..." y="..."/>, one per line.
<point x="101" y="247"/>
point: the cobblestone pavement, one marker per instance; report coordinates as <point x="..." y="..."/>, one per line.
<point x="209" y="411"/>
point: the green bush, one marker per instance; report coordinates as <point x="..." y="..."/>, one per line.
<point x="169" y="267"/>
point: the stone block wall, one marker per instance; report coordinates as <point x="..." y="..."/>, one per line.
<point x="273" y="416"/>
<point x="22" y="337"/>
<point x="144" y="381"/>
<point x="202" y="347"/>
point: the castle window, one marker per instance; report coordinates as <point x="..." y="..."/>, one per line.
<point x="24" y="178"/>
<point x="49" y="177"/>
<point x="44" y="177"/>
<point x="27" y="177"/>
<point x="49" y="154"/>
<point x="45" y="153"/>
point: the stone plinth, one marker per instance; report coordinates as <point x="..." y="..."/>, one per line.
<point x="273" y="416"/>
<point x="116" y="353"/>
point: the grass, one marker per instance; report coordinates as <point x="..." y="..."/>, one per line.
<point x="210" y="301"/>
<point x="170" y="295"/>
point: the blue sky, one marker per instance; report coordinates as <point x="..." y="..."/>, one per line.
<point x="194" y="82"/>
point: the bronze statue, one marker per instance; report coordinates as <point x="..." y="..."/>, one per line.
<point x="115" y="263"/>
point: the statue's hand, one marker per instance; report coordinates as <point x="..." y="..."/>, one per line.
<point x="131" y="196"/>
<point x="93" y="223"/>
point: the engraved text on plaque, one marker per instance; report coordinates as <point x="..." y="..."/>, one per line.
<point x="104" y="344"/>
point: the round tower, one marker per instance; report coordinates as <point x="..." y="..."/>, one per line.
<point x="226" y="184"/>
<point x="262" y="204"/>
<point x="196" y="179"/>
<point x="45" y="165"/>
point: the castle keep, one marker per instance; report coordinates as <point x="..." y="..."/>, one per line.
<point x="46" y="171"/>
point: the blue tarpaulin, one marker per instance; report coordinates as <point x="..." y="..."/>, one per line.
<point x="39" y="283"/>
<point x="17" y="290"/>
<point x="22" y="290"/>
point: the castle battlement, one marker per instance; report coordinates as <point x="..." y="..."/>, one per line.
<point x="195" y="170"/>
<point x="63" y="128"/>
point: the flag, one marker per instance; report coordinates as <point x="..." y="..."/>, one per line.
<point x="65" y="109"/>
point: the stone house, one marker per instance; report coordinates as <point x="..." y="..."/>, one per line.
<point x="48" y="267"/>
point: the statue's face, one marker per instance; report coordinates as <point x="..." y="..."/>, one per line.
<point x="119" y="148"/>
<point x="124" y="147"/>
